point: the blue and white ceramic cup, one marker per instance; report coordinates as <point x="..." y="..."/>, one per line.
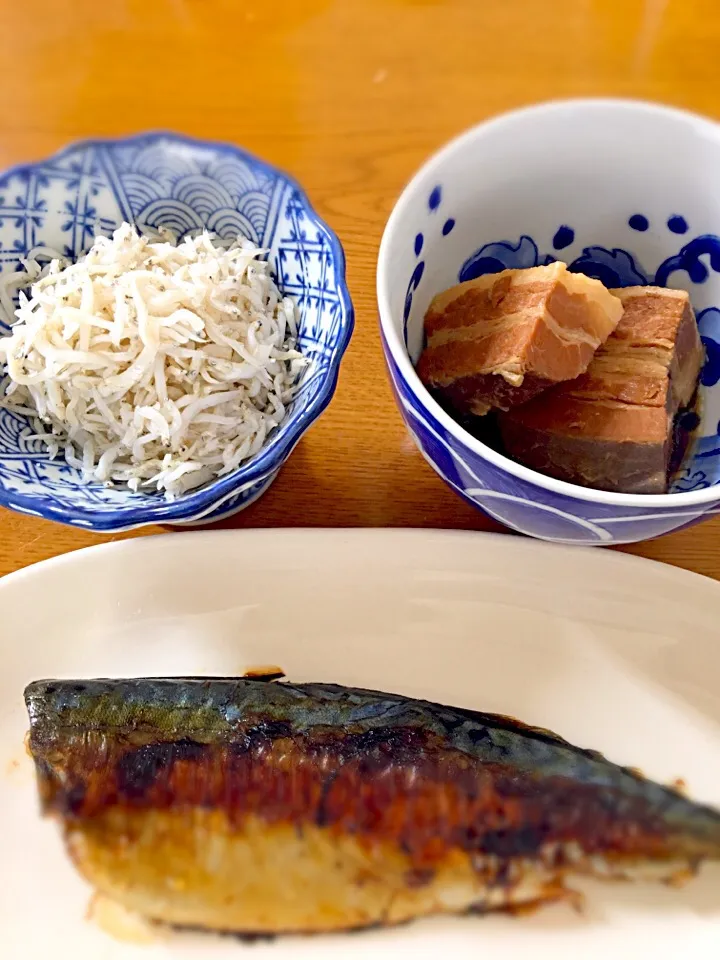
<point x="624" y="191"/>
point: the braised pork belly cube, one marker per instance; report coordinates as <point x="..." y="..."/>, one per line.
<point x="501" y="339"/>
<point x="612" y="427"/>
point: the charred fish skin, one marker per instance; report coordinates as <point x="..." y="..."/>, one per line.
<point x="364" y="807"/>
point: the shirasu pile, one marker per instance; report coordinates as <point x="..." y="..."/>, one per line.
<point x="150" y="363"/>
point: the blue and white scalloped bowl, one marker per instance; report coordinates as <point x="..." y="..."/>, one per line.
<point x="162" y="179"/>
<point x="624" y="191"/>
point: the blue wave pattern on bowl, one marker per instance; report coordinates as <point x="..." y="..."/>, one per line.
<point x="528" y="507"/>
<point x="164" y="180"/>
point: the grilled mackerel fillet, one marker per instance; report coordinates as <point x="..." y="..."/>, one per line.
<point x="242" y="805"/>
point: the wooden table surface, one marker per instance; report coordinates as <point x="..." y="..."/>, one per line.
<point x="350" y="96"/>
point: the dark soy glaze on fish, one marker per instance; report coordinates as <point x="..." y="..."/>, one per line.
<point x="333" y="808"/>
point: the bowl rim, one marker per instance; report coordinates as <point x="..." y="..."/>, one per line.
<point x="274" y="453"/>
<point x="398" y="352"/>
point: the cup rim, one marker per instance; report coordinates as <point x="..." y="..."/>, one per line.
<point x="398" y="351"/>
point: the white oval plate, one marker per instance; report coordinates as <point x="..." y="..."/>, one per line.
<point x="612" y="652"/>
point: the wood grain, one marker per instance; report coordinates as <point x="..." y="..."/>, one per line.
<point x="349" y="96"/>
